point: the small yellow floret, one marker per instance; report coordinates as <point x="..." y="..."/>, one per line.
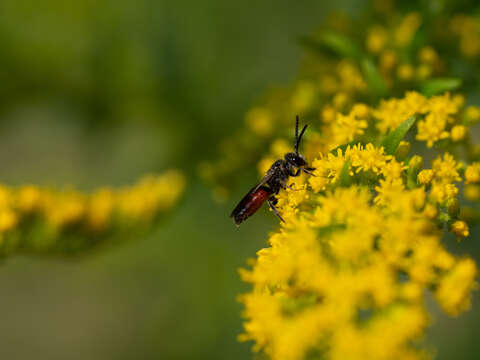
<point x="376" y="39"/>
<point x="472" y="173"/>
<point x="425" y="176"/>
<point x="458" y="132"/>
<point x="460" y="228"/>
<point x="405" y="72"/>
<point x="8" y="219"/>
<point x="472" y="114"/>
<point x="260" y="121"/>
<point x="427" y="55"/>
<point x="472" y="192"/>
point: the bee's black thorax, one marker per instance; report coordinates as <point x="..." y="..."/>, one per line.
<point x="280" y="171"/>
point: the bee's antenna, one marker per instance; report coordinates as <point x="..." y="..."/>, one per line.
<point x="298" y="137"/>
<point x="296" y="129"/>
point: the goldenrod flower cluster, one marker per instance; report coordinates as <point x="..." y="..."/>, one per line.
<point x="346" y="275"/>
<point x="35" y="219"/>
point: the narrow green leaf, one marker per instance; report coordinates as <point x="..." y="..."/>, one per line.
<point x="374" y="80"/>
<point x="439" y="85"/>
<point x="334" y="42"/>
<point x="344" y="179"/>
<point x="340" y="44"/>
<point x="390" y="143"/>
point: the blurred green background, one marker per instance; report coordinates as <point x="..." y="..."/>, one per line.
<point x="101" y="92"/>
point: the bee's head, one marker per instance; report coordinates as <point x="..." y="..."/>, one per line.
<point x="296" y="160"/>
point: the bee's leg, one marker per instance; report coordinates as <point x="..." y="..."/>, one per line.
<point x="271" y="202"/>
<point x="283" y="185"/>
<point x="308" y="171"/>
<point x="297" y="173"/>
<point x="291" y="187"/>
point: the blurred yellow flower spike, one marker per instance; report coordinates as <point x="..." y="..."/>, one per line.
<point x="34" y="219"/>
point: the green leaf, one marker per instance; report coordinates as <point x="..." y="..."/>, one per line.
<point x="344" y="179"/>
<point x="340" y="44"/>
<point x="439" y="85"/>
<point x="335" y="42"/>
<point x="374" y="80"/>
<point x="390" y="143"/>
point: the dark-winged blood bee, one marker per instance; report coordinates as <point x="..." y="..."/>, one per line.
<point x="275" y="179"/>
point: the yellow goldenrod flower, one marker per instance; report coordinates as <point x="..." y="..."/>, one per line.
<point x="260" y="121"/>
<point x="466" y="28"/>
<point x="388" y="60"/>
<point x="89" y="218"/>
<point x="455" y="285"/>
<point x="423" y="71"/>
<point x="432" y="129"/>
<point x="337" y="255"/>
<point x="407" y="28"/>
<point x="8" y="220"/>
<point x="376" y="39"/>
<point x="405" y="72"/>
<point x="430" y="211"/>
<point x="446" y="170"/>
<point x="99" y="209"/>
<point x="415" y="163"/>
<point x="350" y="77"/>
<point x="425" y="177"/>
<point x="472" y="114"/>
<point x="368" y="158"/>
<point x="459" y="100"/>
<point x="393" y="169"/>
<point x="403" y="149"/>
<point x="391" y="113"/>
<point x="472" y="192"/>
<point x="279" y="148"/>
<point x="427" y="55"/>
<point x="441" y="192"/>
<point x="460" y="228"/>
<point x="472" y="173"/>
<point x="458" y="132"/>
<point x="29" y="198"/>
<point x="340" y="100"/>
<point x="328" y="114"/>
<point x="303" y="97"/>
<point x="362" y="239"/>
<point x="347" y="127"/>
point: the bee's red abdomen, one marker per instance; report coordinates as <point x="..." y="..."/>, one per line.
<point x="250" y="204"/>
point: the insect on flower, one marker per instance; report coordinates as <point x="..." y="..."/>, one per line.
<point x="271" y="184"/>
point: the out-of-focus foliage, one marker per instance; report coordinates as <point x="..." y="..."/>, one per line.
<point x="92" y="55"/>
<point x="97" y="94"/>
<point x="38" y="220"/>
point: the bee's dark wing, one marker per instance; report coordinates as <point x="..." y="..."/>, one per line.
<point x="262" y="182"/>
<point x="246" y="198"/>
